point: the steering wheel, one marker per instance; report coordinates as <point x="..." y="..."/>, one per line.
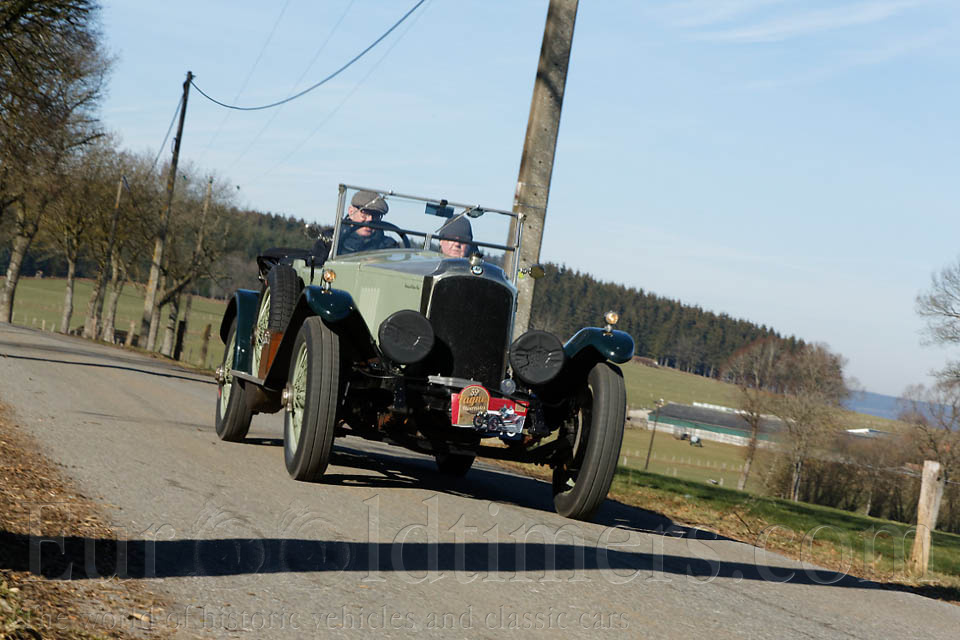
<point x="387" y="226"/>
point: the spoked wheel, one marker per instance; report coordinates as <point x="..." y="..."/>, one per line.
<point x="233" y="415"/>
<point x="316" y="386"/>
<point x="277" y="302"/>
<point x="454" y="464"/>
<point x="581" y="483"/>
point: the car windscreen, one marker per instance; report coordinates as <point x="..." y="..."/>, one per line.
<point x="384" y="221"/>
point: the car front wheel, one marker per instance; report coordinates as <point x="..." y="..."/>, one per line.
<point x="233" y="414"/>
<point x="454" y="464"/>
<point x="316" y="386"/>
<point x="581" y="483"/>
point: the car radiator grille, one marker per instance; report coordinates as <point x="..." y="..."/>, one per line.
<point x="471" y="319"/>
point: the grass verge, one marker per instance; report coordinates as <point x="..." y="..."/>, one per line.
<point x="833" y="539"/>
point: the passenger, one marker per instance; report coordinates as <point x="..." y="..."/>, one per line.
<point x="365" y="206"/>
<point x="455" y="238"/>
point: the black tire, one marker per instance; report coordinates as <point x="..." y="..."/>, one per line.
<point x="317" y="385"/>
<point x="277" y="302"/>
<point x="233" y="414"/>
<point x="581" y="484"/>
<point x="454" y="464"/>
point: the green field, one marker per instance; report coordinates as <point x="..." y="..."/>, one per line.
<point x="39" y="304"/>
<point x="677" y="458"/>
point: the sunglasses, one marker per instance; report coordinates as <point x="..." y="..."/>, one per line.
<point x="375" y="215"/>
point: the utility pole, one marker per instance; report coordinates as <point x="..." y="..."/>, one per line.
<point x="539" y="147"/>
<point x="158" y="247"/>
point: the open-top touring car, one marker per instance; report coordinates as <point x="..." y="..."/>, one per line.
<point x="382" y="331"/>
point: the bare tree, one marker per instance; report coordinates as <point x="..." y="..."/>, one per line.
<point x="756" y="370"/>
<point x="808" y="405"/>
<point x="83" y="205"/>
<point x="52" y="74"/>
<point x="934" y="413"/>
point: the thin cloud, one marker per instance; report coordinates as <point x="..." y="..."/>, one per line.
<point x="856" y="59"/>
<point x="704" y="13"/>
<point x="811" y="22"/>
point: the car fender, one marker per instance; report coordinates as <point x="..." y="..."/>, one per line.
<point x="337" y="309"/>
<point x="616" y="346"/>
<point x="242" y="306"/>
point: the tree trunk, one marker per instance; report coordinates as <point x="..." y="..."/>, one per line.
<point x="21" y="243"/>
<point x="117" y="279"/>
<point x="68" y="295"/>
<point x="170" y="327"/>
<point x="748" y="460"/>
<point x="152" y="329"/>
<point x="91" y="326"/>
<point x="795" y="485"/>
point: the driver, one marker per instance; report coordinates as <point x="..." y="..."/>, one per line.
<point x="365" y="206"/>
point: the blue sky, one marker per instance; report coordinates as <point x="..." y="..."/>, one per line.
<point x="793" y="162"/>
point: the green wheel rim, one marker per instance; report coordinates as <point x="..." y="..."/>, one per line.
<point x="227" y="385"/>
<point x="263" y="323"/>
<point x="299" y="395"/>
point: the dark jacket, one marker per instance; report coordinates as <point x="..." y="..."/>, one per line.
<point x="352" y="242"/>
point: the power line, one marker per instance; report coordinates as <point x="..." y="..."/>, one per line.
<point x="324" y="81"/>
<point x="169" y="129"/>
<point x="246" y="81"/>
<point x="346" y="99"/>
<point x="306" y="70"/>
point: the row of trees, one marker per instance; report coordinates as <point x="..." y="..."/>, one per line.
<point x="73" y="203"/>
<point x="674" y="334"/>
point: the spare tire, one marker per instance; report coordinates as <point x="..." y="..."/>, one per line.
<point x="277" y="301"/>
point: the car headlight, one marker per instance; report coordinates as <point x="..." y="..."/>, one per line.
<point x="536" y="357"/>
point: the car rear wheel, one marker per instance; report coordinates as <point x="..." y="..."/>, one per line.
<point x="277" y="302"/>
<point x="233" y="414"/>
<point x="454" y="464"/>
<point x="580" y="484"/>
<point x="316" y="387"/>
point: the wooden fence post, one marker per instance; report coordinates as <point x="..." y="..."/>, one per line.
<point x="928" y="508"/>
<point x="205" y="345"/>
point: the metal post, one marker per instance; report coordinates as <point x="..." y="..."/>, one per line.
<point x="150" y="300"/>
<point x="539" y="147"/>
<point x="656" y="418"/>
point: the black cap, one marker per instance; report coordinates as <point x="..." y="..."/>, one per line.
<point x="457" y="229"/>
<point x="369" y="201"/>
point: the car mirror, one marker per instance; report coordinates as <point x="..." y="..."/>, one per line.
<point x="441" y="209"/>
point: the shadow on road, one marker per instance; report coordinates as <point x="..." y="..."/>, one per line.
<point x="559" y="556"/>
<point x="108" y="366"/>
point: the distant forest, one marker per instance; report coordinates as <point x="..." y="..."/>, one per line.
<point x="667" y="331"/>
<point x="671" y="333"/>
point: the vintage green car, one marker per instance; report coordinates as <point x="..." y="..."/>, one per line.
<point x="397" y="327"/>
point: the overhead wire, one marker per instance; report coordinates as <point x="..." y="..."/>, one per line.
<point x="345" y="99"/>
<point x="246" y="80"/>
<point x="169" y="129"/>
<point x="321" y="82"/>
<point x="296" y="83"/>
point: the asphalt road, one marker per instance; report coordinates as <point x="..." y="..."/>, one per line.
<point x="385" y="544"/>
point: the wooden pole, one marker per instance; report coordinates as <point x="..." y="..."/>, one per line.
<point x="147" y="330"/>
<point x="928" y="508"/>
<point x="539" y="147"/>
